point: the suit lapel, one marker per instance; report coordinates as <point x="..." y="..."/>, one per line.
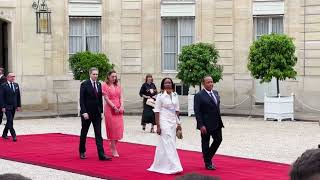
<point x="91" y="87"/>
<point x="9" y="87"/>
<point x="208" y="97"/>
<point x="99" y="87"/>
<point x="217" y="97"/>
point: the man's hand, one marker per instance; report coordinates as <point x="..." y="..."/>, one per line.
<point x="203" y="130"/>
<point x="85" y="116"/>
<point x="158" y="130"/>
<point x="18" y="109"/>
<point x="4" y="110"/>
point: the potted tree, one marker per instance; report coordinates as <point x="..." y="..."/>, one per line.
<point x="81" y="62"/>
<point x="273" y="56"/>
<point x="195" y="62"/>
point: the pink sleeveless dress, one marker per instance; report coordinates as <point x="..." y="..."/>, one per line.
<point x="114" y="122"/>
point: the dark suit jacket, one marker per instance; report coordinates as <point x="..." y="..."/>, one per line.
<point x="89" y="102"/>
<point x="3" y="79"/>
<point x="207" y="112"/>
<point x="10" y="99"/>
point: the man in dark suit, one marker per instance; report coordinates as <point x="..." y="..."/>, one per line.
<point x="10" y="103"/>
<point x="91" y="109"/>
<point x="3" y="79"/>
<point x="209" y="122"/>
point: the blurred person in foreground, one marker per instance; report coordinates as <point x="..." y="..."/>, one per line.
<point x="307" y="166"/>
<point x="10" y="176"/>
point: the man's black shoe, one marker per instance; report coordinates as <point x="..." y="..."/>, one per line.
<point x="210" y="167"/>
<point x="5" y="137"/>
<point x="83" y="156"/>
<point x="104" y="158"/>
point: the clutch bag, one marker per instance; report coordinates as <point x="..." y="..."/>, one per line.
<point x="179" y="132"/>
<point x="150" y="102"/>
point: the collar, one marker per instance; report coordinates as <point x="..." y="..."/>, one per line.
<point x="10" y="82"/>
<point x="92" y="81"/>
<point x="166" y="94"/>
<point x="208" y="91"/>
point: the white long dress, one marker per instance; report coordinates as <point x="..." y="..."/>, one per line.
<point x="166" y="159"/>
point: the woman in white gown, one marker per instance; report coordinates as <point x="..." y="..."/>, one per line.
<point x="166" y="160"/>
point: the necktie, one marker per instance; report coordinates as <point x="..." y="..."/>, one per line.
<point x="95" y="89"/>
<point x="12" y="87"/>
<point x="214" y="98"/>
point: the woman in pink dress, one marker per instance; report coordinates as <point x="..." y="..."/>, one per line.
<point x="113" y="110"/>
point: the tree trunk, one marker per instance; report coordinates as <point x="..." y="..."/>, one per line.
<point x="199" y="87"/>
<point x="278" y="90"/>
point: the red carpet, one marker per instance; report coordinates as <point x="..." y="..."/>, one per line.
<point x="60" y="151"/>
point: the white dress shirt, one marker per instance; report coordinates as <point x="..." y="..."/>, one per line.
<point x="214" y="96"/>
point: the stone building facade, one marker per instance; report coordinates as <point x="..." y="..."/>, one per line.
<point x="145" y="36"/>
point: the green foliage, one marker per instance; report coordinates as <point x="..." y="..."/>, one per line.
<point x="196" y="61"/>
<point x="272" y="56"/>
<point x="81" y="62"/>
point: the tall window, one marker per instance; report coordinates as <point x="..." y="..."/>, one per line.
<point x="84" y="35"/>
<point x="268" y="25"/>
<point x="176" y="33"/>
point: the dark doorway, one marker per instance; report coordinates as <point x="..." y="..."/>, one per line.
<point x="4" y="45"/>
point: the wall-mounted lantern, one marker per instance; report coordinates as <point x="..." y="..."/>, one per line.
<point x="43" y="16"/>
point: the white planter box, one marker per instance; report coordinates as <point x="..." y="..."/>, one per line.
<point x="190" y="104"/>
<point x="279" y="107"/>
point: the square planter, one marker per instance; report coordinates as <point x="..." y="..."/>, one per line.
<point x="190" y="104"/>
<point x="279" y="107"/>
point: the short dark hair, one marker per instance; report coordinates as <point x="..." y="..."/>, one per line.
<point x="93" y="69"/>
<point x="10" y="176"/>
<point x="194" y="176"/>
<point x="205" y="78"/>
<point x="307" y="166"/>
<point x="162" y="84"/>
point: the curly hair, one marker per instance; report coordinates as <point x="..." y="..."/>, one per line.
<point x="307" y="166"/>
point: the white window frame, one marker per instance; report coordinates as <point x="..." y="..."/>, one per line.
<point x="178" y="43"/>
<point x="269" y="22"/>
<point x="83" y="35"/>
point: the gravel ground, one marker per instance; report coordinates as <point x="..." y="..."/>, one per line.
<point x="243" y="137"/>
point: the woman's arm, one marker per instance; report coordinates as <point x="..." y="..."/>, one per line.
<point x="121" y="100"/>
<point x="155" y="91"/>
<point x="143" y="91"/>
<point x="157" y="118"/>
<point x="177" y="108"/>
<point x="109" y="102"/>
<point x="157" y="109"/>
